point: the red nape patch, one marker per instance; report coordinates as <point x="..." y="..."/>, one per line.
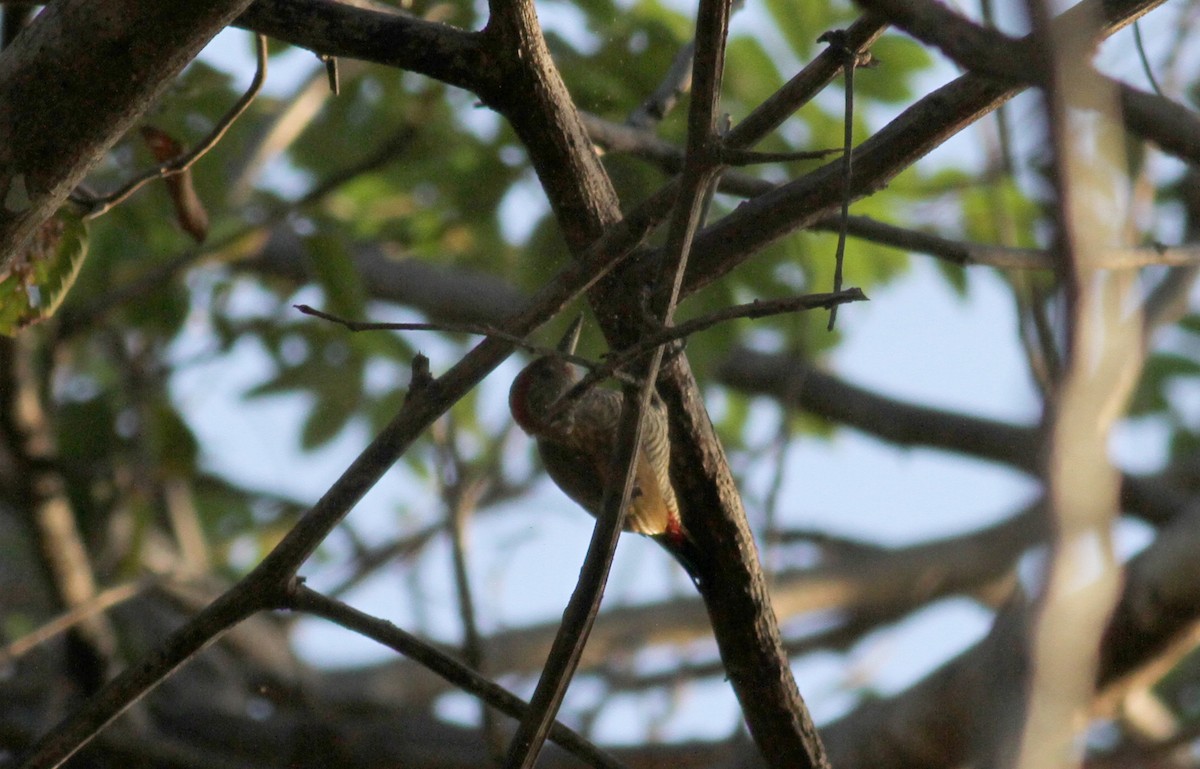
<point x="674" y="531"/>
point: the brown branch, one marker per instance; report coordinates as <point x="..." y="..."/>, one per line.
<point x="732" y="582"/>
<point x="309" y="601"/>
<point x="579" y="616"/>
<point x="798" y="383"/>
<point x="966" y="253"/>
<point x="669" y="157"/>
<point x="264" y="584"/>
<point x="73" y="83"/>
<point x="991" y="53"/>
<point x="377" y="35"/>
<point x="911" y="135"/>
<point x="98" y="206"/>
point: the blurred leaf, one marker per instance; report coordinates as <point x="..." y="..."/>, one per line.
<point x="801" y="22"/>
<point x="998" y="214"/>
<point x="85" y="430"/>
<point x="751" y="73"/>
<point x="1190" y="323"/>
<point x="171" y="441"/>
<point x="900" y="58"/>
<point x="955" y="276"/>
<point x="1160" y="368"/>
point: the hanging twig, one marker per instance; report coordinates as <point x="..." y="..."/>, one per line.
<point x="850" y="60"/>
<point x="100" y="206"/>
<point x="331" y="73"/>
<point x="1141" y="49"/>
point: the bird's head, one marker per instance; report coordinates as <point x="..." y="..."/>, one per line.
<point x="543" y="382"/>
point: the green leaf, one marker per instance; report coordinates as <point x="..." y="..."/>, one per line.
<point x="891" y="82"/>
<point x="37" y="283"/>
<point x="1190" y="323"/>
<point x="954" y="275"/>
<point x="1150" y="395"/>
<point x="802" y="22"/>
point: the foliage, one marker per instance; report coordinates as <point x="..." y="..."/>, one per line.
<point x="402" y="198"/>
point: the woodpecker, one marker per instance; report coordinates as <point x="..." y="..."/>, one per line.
<point x="576" y="446"/>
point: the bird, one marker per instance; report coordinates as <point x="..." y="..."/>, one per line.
<point x="576" y="443"/>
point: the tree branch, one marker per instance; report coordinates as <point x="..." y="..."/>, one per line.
<point x="911" y="135"/>
<point x="77" y="59"/>
<point x="261" y="586"/>
<point x="332" y="28"/>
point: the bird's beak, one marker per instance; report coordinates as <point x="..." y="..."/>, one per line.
<point x="571" y="338"/>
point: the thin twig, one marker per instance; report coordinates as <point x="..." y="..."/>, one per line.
<point x="477" y="329"/>
<point x="756" y="309"/>
<point x="851" y="59"/>
<point x="965" y="253"/>
<point x="101" y="601"/>
<point x="739" y="157"/>
<point x="331" y="73"/>
<point x="612" y="366"/>
<point x="1141" y="49"/>
<point x="304" y="599"/>
<point x="100" y="206"/>
<point x="461" y="489"/>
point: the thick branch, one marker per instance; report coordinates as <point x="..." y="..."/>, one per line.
<point x="988" y="52"/>
<point x="540" y="110"/>
<point x="260" y="588"/>
<point x="74" y="82"/>
<point x="797" y="383"/>
<point x="445" y="53"/>
<point x="949" y="717"/>
<point x="913" y="134"/>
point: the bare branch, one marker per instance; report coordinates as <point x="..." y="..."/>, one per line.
<point x="307" y="600"/>
<point x="178" y="165"/>
<point x="47" y="147"/>
<point x="915" y="132"/>
<point x="259" y="588"/>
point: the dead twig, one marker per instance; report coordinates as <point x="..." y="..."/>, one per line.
<point x="102" y="205"/>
